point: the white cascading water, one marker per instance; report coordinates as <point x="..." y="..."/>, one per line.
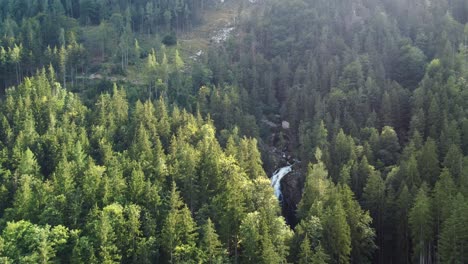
<point x="276" y="179"/>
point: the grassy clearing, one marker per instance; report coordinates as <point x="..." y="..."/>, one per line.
<point x="199" y="38"/>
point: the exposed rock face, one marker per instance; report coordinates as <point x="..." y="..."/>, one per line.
<point x="291" y="189"/>
<point x="277" y="154"/>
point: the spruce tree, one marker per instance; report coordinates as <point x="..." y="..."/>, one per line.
<point x="305" y="253"/>
<point x="337" y="236"/>
<point x="453" y="238"/>
<point x="421" y="226"/>
<point x="428" y="162"/>
<point x="211" y="247"/>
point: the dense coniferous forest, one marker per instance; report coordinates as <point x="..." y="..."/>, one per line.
<point x="130" y="134"/>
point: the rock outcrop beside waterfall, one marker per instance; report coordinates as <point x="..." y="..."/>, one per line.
<point x="291" y="189"/>
<point x="278" y="159"/>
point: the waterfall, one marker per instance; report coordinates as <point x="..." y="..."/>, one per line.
<point x="276" y="179"/>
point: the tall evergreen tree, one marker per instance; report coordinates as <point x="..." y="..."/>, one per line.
<point x="421" y="224"/>
<point x="337" y="237"/>
<point x="428" y="162"/>
<point x="210" y="244"/>
<point x="316" y="186"/>
<point x="453" y="239"/>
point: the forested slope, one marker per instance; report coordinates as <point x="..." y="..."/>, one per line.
<point x="106" y="184"/>
<point x="380" y="87"/>
<point x="120" y="143"/>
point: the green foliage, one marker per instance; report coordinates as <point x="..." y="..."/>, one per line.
<point x="263" y="241"/>
<point x="452" y="240"/>
<point x="428" y="162"/>
<point x="305" y="254"/>
<point x="101" y="161"/>
<point x="409" y="66"/>
<point x="110" y="185"/>
<point x="24" y="242"/>
<point x="336" y="233"/>
<point x="331" y="216"/>
<point x="178" y="229"/>
<point x="316" y="187"/>
<point x="211" y="247"/>
<point x="403" y="205"/>
<point x="421" y="224"/>
<point x="169" y="40"/>
<point x="389" y="146"/>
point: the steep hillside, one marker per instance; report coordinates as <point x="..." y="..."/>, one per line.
<point x="145" y="131"/>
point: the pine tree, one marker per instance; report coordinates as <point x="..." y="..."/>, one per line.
<point x="210" y="244"/>
<point x="119" y="107"/>
<point x="178" y="229"/>
<point x="63" y="184"/>
<point x="454" y="161"/>
<point x="311" y="227"/>
<point x="164" y="127"/>
<point x="230" y="203"/>
<point x="272" y="225"/>
<point x="421" y="226"/>
<point x="337" y="237"/>
<point x="186" y="226"/>
<point x="453" y="239"/>
<point x="305" y="254"/>
<point x="428" y="162"/>
<point x="434" y="118"/>
<point x="343" y="151"/>
<point x="178" y="62"/>
<point x="305" y="140"/>
<point x="389" y="146"/>
<point x="464" y="131"/>
<point x="250" y="158"/>
<point x="170" y="232"/>
<point x="24" y="242"/>
<point x="132" y="231"/>
<point x="410" y="173"/>
<point x="316" y="186"/>
<point x="183" y="161"/>
<point x="136" y="186"/>
<point x="374" y="195"/>
<point x="250" y="238"/>
<point x="91" y="184"/>
<point x="386" y="110"/>
<point x="141" y="149"/>
<point x="63" y="64"/>
<point x="320" y="257"/>
<point x="443" y="194"/>
<point x="359" y="221"/>
<point x="464" y="178"/>
<point x="404" y="202"/>
<point x="25" y="202"/>
<point x="106" y="235"/>
<point x="268" y="253"/>
<point x="28" y="164"/>
<point x="361" y="177"/>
